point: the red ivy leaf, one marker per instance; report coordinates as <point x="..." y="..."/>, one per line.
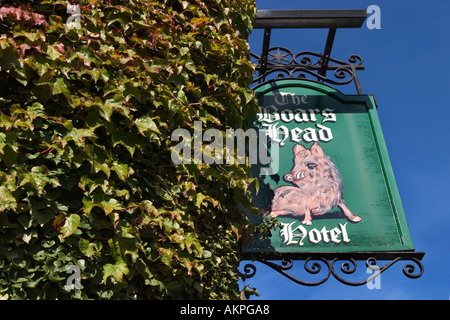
<point x="23" y="13"/>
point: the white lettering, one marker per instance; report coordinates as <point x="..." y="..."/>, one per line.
<point x="334" y="233"/>
<point x="74" y="281"/>
<point x="269" y="114"/>
<point x="344" y="232"/>
<point x="283" y="98"/>
<point x="301" y="116"/>
<point x="295" y="235"/>
<point x="328" y="115"/>
<point x="325" y="133"/>
<point x="198" y="142"/>
<point x="310" y="135"/>
<point x="288" y="234"/>
<point x="274" y="133"/>
<point x="279" y="133"/>
<point x="197" y="310"/>
<point x="74" y="21"/>
<point x="325" y="237"/>
<point x="314" y="236"/>
<point x="296" y="134"/>
<point x="287" y="115"/>
<point x="272" y="120"/>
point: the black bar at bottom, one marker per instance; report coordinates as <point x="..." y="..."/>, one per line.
<point x="362" y="255"/>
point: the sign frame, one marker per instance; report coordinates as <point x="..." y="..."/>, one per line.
<point x="320" y="260"/>
<point x="404" y="250"/>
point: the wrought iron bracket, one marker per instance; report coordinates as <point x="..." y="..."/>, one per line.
<point x="282" y="63"/>
<point x="316" y="262"/>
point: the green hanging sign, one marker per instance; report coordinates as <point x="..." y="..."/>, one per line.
<point x="330" y="182"/>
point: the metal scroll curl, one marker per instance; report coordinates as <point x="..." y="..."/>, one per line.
<point x="409" y="269"/>
<point x="311" y="265"/>
<point x="342" y="75"/>
<point x="280" y="62"/>
<point x="338" y="267"/>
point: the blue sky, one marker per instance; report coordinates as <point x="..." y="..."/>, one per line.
<point x="406" y="68"/>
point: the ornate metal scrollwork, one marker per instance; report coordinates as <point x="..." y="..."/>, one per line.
<point x="249" y="271"/>
<point x="409" y="269"/>
<point x="281" y="62"/>
<point x="314" y="266"/>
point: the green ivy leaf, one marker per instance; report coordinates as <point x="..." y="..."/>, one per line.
<point x="117" y="271"/>
<point x="39" y="177"/>
<point x="7" y="200"/>
<point x="145" y="124"/>
<point x="122" y="170"/>
<point x="85" y="121"/>
<point x="110" y="205"/>
<point x="71" y="224"/>
<point x="61" y="86"/>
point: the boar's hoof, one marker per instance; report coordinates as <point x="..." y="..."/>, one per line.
<point x="307" y="222"/>
<point x="356" y="219"/>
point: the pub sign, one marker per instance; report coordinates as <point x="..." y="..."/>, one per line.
<point x="330" y="183"/>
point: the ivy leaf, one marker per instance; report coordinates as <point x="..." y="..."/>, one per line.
<point x="87" y="205"/>
<point x="71" y="224"/>
<point x="130" y="90"/>
<point x="79" y="104"/>
<point x="119" y="247"/>
<point x="60" y="86"/>
<point x="110" y="206"/>
<point x="79" y="135"/>
<point x="39" y="177"/>
<point x="53" y="52"/>
<point x="7" y="200"/>
<point x="122" y="171"/>
<point x="166" y="256"/>
<point x="7" y="154"/>
<point x="117" y="271"/>
<point x="86" y="248"/>
<point x="145" y="124"/>
<point x="36" y="110"/>
<point x="8" y="57"/>
<point x="199" y="198"/>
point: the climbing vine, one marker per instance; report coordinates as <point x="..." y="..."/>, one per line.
<point x="90" y="93"/>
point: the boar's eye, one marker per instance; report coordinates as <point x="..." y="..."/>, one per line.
<point x="311" y="165"/>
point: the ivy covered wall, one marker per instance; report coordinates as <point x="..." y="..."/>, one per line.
<point x="90" y="93"/>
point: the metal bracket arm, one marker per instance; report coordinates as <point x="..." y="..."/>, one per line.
<point x="316" y="262"/>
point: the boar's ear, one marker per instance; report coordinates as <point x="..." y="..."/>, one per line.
<point x="317" y="150"/>
<point x="298" y="148"/>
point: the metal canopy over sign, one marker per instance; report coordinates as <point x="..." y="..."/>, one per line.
<point x="330" y="183"/>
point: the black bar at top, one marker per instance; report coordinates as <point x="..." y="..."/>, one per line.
<point x="353" y="18"/>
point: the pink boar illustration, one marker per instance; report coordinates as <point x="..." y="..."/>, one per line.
<point x="317" y="187"/>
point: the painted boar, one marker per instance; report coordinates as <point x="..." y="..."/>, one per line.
<point x="316" y="187"/>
